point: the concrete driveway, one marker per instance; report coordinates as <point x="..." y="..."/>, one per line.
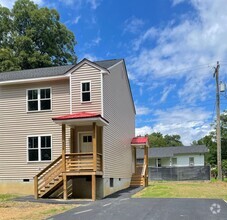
<point x="121" y="206"/>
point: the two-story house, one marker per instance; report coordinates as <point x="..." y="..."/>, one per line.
<point x="68" y="127"/>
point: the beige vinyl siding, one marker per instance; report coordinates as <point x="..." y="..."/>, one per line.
<point x="16" y="124"/>
<point x="119" y="111"/>
<point x="86" y="73"/>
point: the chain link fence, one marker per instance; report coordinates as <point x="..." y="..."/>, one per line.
<point x="179" y="173"/>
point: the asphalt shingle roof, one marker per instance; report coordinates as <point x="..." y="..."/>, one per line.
<point x="48" y="71"/>
<point x="160" y="152"/>
<point x="107" y="63"/>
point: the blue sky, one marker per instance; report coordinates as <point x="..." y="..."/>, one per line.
<point x="170" y="48"/>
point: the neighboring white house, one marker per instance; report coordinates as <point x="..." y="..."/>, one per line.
<point x="182" y="156"/>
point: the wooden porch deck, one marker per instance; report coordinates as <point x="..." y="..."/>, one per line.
<point x="69" y="165"/>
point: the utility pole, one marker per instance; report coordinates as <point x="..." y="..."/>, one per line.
<point x="218" y="128"/>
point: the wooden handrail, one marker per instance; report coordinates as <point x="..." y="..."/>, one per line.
<point x="79" y="154"/>
<point x="144" y="169"/>
<point x="49" y="166"/>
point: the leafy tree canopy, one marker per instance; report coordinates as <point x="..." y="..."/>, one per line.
<point x="211" y="143"/>
<point x="157" y="139"/>
<point x="33" y="37"/>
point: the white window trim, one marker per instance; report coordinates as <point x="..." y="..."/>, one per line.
<point x="39" y="100"/>
<point x="81" y="97"/>
<point x="39" y="148"/>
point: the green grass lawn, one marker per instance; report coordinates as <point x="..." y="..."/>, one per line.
<point x="197" y="189"/>
<point x="7" y="197"/>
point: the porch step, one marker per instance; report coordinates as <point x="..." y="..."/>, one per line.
<point x="51" y="186"/>
<point x="137" y="180"/>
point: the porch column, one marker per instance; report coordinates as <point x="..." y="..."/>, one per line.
<point x="63" y="147"/>
<point x="72" y="136"/>
<point x="146" y="164"/>
<point x="65" y="193"/>
<point x="94" y="142"/>
<point x="93" y="186"/>
<point x="63" y="162"/>
<point x="135" y="162"/>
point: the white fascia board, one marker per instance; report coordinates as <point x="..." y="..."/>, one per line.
<point x="19" y="81"/>
<point x="82" y="120"/>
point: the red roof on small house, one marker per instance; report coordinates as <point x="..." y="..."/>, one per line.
<point x="139" y="140"/>
<point x="79" y="115"/>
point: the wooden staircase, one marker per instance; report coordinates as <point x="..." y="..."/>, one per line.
<point x="137" y="180"/>
<point x="49" y="179"/>
<point x="140" y="176"/>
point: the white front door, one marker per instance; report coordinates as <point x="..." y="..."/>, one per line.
<point x="86" y="142"/>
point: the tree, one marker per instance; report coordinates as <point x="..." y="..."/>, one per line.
<point x="32" y="37"/>
<point x="211" y="143"/>
<point x="173" y="140"/>
<point x="156" y="139"/>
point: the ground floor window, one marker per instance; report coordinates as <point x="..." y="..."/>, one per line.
<point x="39" y="148"/>
<point x="158" y="162"/>
<point x="111" y="182"/>
<point x="191" y="161"/>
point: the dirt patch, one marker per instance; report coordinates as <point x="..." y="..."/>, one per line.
<point x="10" y="210"/>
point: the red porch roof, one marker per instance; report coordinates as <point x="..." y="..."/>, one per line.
<point x="140" y="140"/>
<point x="79" y="116"/>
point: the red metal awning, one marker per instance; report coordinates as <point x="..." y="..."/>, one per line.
<point x="81" y="118"/>
<point x="139" y="141"/>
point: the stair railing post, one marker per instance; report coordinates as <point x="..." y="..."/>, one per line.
<point x="64" y="162"/>
<point x="36" y="187"/>
<point x="94" y="143"/>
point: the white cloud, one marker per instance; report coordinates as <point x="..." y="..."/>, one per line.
<point x="191" y="124"/>
<point x="141" y="110"/>
<point x="151" y="33"/>
<point x="79" y="3"/>
<point x="143" y="130"/>
<point x="133" y="25"/>
<point x="166" y="92"/>
<point x="90" y="57"/>
<point x="96" y="41"/>
<point x="94" y="3"/>
<point x="76" y="20"/>
<point x="183" y="49"/>
<point x="176" y="2"/>
<point x="10" y="3"/>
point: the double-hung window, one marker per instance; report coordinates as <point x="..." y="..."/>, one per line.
<point x="39" y="148"/>
<point x="39" y="99"/>
<point x="86" y="91"/>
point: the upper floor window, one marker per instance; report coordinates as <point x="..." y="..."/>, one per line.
<point x="86" y="91"/>
<point x="39" y="148"/>
<point x="39" y="99"/>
